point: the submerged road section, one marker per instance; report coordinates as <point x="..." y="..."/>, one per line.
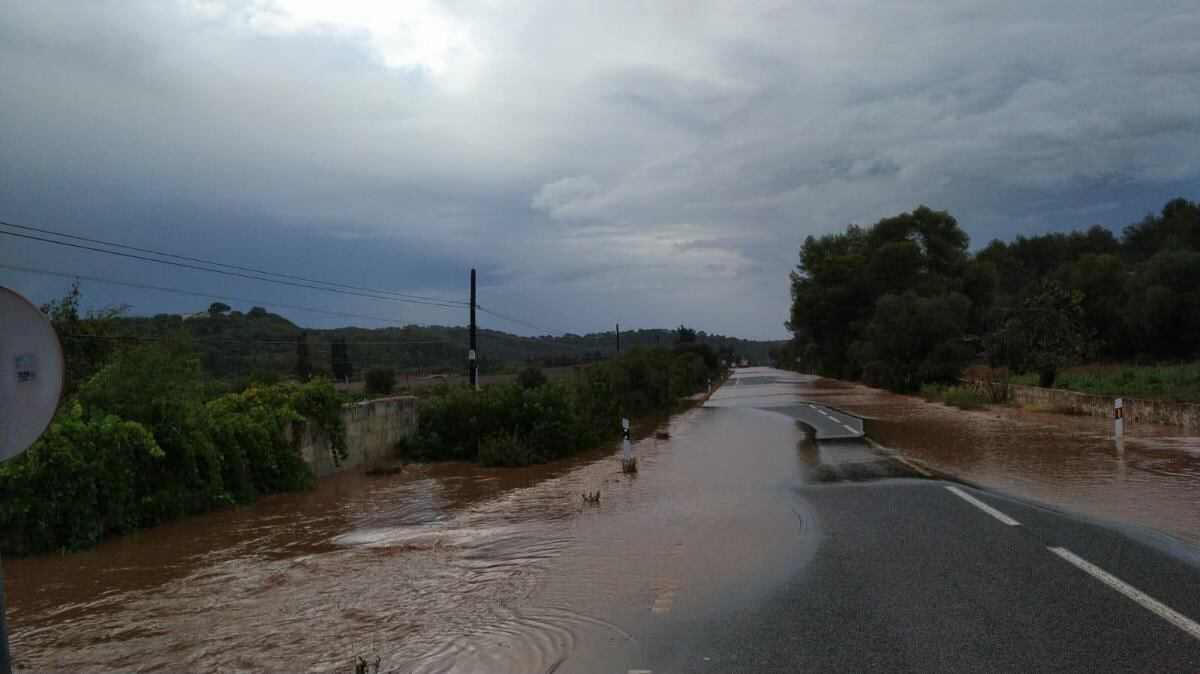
<point x="762" y="532"/>
<point x="920" y="574"/>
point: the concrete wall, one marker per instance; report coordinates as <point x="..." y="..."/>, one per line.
<point x="373" y="427"/>
<point x="1137" y="411"/>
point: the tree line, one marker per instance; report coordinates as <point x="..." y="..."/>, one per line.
<point x="904" y="302"/>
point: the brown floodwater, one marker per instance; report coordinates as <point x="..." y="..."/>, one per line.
<point x="445" y="567"/>
<point x="1150" y="478"/>
<point x="453" y="567"/>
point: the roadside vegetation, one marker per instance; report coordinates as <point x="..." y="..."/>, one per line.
<point x="535" y="421"/>
<point x="1156" y="382"/>
<point x="144" y="438"/>
<point x="964" y="397"/>
<point x="904" y="303"/>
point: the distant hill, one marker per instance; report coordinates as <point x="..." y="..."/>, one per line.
<point x="232" y="344"/>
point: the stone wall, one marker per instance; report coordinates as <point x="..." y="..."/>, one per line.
<point x="1137" y="411"/>
<point x="373" y="427"/>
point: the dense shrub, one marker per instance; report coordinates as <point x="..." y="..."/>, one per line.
<point x="84" y="477"/>
<point x="965" y="397"/>
<point x="145" y="442"/>
<point x="380" y="381"/>
<point x="531" y="377"/>
<point x="512" y="425"/>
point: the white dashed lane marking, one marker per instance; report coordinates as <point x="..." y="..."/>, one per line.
<point x="982" y="506"/>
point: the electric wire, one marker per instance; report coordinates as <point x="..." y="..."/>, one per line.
<point x="219" y="271"/>
<point x="227" y="266"/>
<point x="192" y="293"/>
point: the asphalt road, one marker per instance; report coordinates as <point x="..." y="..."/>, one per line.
<point x="912" y="572"/>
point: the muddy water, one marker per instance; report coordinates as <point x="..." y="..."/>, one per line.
<point x="1151" y="478"/>
<point x="446" y="567"/>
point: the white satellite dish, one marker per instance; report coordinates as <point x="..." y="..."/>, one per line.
<point x="31" y="373"/>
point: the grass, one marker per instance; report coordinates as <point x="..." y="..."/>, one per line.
<point x="629" y="465"/>
<point x="962" y="397"/>
<point x="1157" y="382"/>
<point x="1049" y="408"/>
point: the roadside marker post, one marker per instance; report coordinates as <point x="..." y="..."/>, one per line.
<point x="1119" y="416"/>
<point x="625" y="438"/>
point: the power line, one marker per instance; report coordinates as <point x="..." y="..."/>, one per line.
<point x="227" y="266"/>
<point x="535" y="340"/>
<point x="370" y="293"/>
<point x="521" y="321"/>
<point x="317" y="340"/>
<point x="219" y="271"/>
<point x="193" y="293"/>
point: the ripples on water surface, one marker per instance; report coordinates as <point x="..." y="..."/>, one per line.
<point x="447" y="567"/>
<point x="452" y="567"/>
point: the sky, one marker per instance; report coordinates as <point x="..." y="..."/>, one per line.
<point x="641" y="163"/>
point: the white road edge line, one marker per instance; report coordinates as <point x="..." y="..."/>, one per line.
<point x="1162" y="610"/>
<point x="812" y="406"/>
<point x="852" y="430"/>
<point x="982" y="506"/>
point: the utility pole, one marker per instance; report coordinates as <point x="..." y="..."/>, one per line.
<point x="618" y="338"/>
<point x="472" y="364"/>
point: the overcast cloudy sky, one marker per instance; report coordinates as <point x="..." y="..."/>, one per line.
<point x="648" y="163"/>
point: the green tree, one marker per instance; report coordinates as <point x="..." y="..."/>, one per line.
<point x="88" y="341"/>
<point x="1102" y="280"/>
<point x="531" y="377"/>
<point x="1177" y="227"/>
<point x="911" y="340"/>
<point x="1163" y="310"/>
<point x="842" y="277"/>
<point x="1042" y="333"/>
<point x="684" y="335"/>
<point x="218" y="309"/>
<point x="303" y="367"/>
<point x="339" y="358"/>
<point x="380" y="381"/>
<point x="161" y="387"/>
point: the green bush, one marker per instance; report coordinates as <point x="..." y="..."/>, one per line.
<point x="965" y="397"/>
<point x="531" y="377"/>
<point x="504" y="449"/>
<point x="380" y="381"/>
<point x="143" y="443"/>
<point x="554" y="419"/>
<point x="932" y="392"/>
<point x="82" y="478"/>
<point x="962" y="397"/>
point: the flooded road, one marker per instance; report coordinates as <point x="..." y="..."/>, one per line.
<point x="1151" y="478"/>
<point x="453" y="567"/>
<point x="446" y="567"/>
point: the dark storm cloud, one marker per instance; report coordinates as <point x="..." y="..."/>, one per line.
<point x="648" y="163"/>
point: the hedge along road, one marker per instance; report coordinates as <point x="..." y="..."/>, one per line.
<point x="743" y="543"/>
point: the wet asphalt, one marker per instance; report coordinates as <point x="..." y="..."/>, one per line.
<point x="908" y="575"/>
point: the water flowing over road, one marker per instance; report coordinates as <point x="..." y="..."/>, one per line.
<point x="453" y="567"/>
<point x="447" y="567"/>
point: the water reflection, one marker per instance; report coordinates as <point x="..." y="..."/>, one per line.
<point x="1150" y="477"/>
